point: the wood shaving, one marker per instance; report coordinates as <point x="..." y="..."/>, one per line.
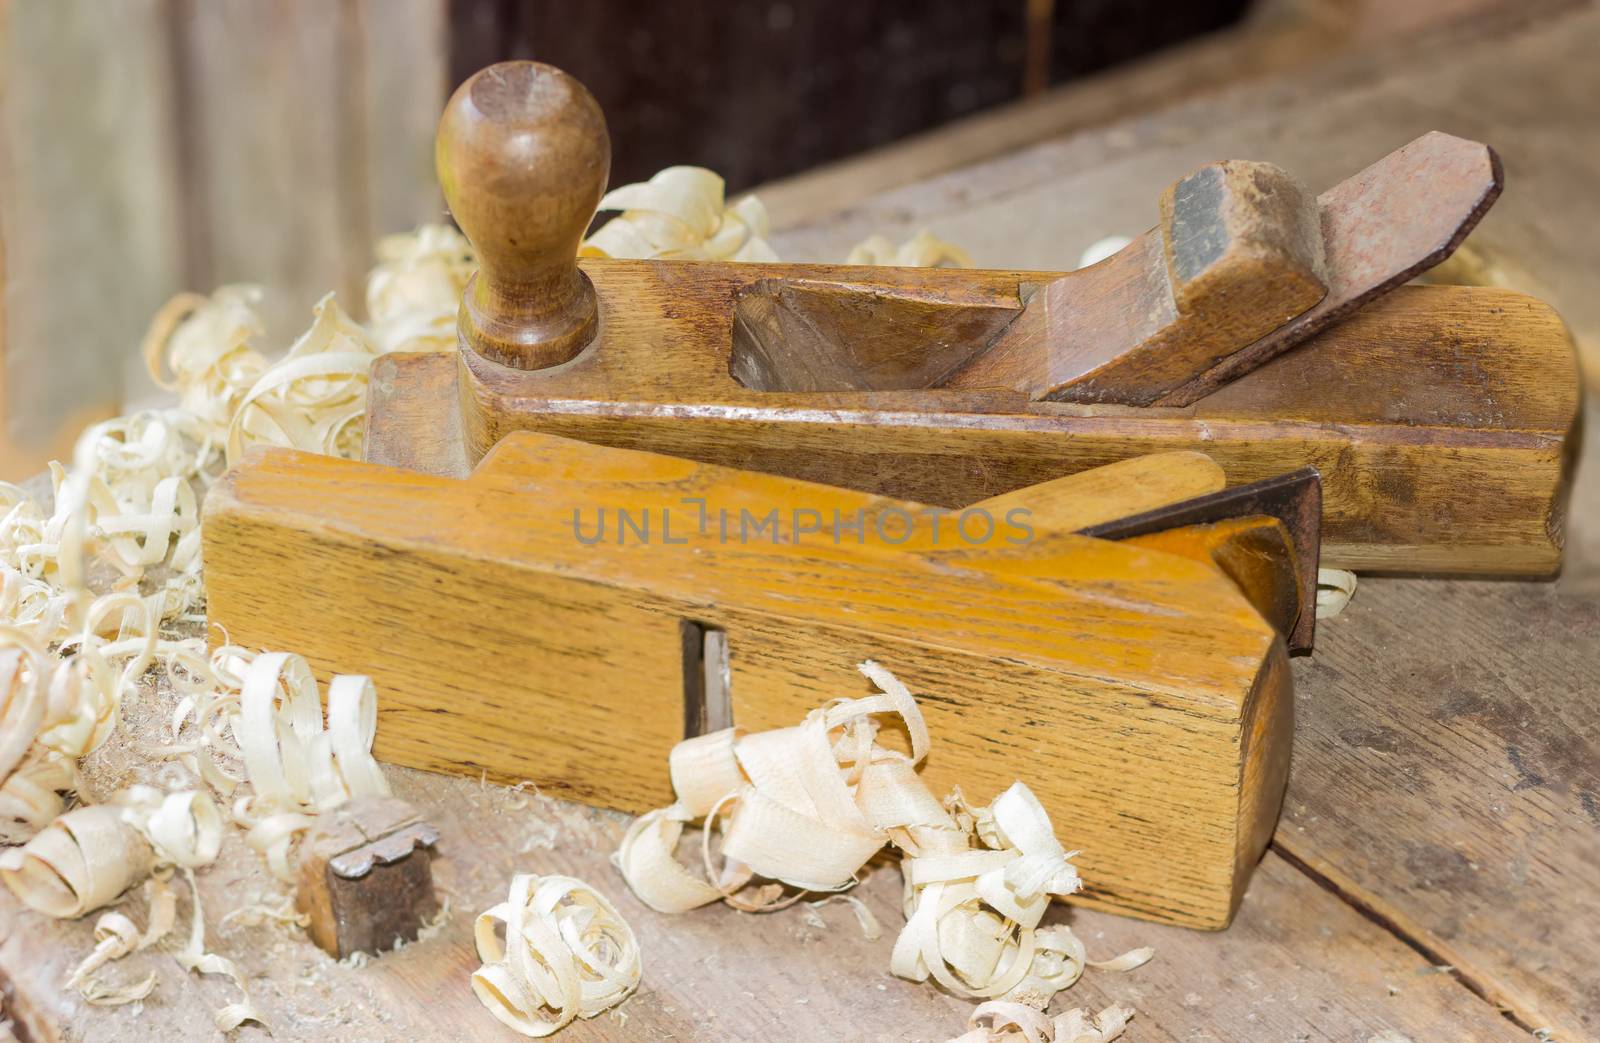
<point x="414" y="293"/>
<point x="33" y="795"/>
<point x="281" y="912"/>
<point x="434" y="927"/>
<point x="978" y="881"/>
<point x="89" y="576"/>
<point x="565" y="953"/>
<point x="998" y="1021"/>
<point x="315" y="398"/>
<point x="871" y="930"/>
<point x="791" y="803"/>
<point x="194" y="957"/>
<point x="1335" y="588"/>
<point x="88" y="582"/>
<point x="807" y="806"/>
<point x="202" y="348"/>
<point x="1101" y="249"/>
<point x="117" y="936"/>
<point x="922" y="250"/>
<point x="296" y="767"/>
<point x="679" y="214"/>
<point x="78" y="863"/>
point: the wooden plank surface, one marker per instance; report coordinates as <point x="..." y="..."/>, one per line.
<point x="1464" y="712"/>
<point x="1297" y="964"/>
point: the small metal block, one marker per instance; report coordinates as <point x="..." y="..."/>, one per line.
<point x="366" y="876"/>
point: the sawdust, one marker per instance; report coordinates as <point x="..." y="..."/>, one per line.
<point x="292" y="981"/>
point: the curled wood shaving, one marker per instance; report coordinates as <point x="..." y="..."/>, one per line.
<point x="1335" y="588"/>
<point x="86" y="858"/>
<point x="414" y="293"/>
<point x="923" y="250"/>
<point x="117" y="936"/>
<point x="78" y="863"/>
<point x="202" y="348"/>
<point x="296" y="767"/>
<point x="194" y="957"/>
<point x="679" y="215"/>
<point x="281" y="911"/>
<point x="871" y="930"/>
<point x="315" y="397"/>
<point x="86" y="584"/>
<point x="184" y="828"/>
<point x="800" y="806"/>
<point x="977" y="884"/>
<point x="33" y="794"/>
<point x="565" y="953"/>
<point x="998" y="1021"/>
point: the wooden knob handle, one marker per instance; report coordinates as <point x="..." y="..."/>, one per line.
<point x="523" y="157"/>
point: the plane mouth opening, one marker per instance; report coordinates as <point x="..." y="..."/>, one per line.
<point x="812" y="335"/>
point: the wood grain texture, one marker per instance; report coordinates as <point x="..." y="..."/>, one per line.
<point x="1111" y="662"/>
<point x="267" y="150"/>
<point x="1465" y="470"/>
<point x="1477" y="731"/>
<point x="1237" y="254"/>
<point x="1420" y="693"/>
<point x="402" y="69"/>
<point x="1279" y="35"/>
<point x="1119" y="490"/>
<point x="1255" y="552"/>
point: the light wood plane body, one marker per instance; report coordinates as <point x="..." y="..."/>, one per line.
<point x="1138" y="692"/>
<point x="1439" y="417"/>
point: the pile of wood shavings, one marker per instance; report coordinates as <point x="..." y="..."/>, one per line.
<point x="806" y="807"/>
<point x="96" y="589"/>
<point x="565" y="950"/>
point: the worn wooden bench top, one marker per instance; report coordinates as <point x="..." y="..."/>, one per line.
<point x="1433" y="877"/>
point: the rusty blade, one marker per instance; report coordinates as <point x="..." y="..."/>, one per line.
<point x="1295" y="499"/>
<point x="1380" y="228"/>
<point x="390" y="848"/>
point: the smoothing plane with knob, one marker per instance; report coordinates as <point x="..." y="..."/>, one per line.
<point x="1258" y="322"/>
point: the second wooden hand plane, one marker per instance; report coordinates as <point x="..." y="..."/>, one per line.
<point x="569" y="612"/>
<point x="1439" y="417"/>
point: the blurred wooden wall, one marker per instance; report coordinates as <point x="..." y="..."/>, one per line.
<point x="150" y="146"/>
<point x="762" y="89"/>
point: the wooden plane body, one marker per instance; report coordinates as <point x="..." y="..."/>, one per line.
<point x="538" y="620"/>
<point x="1440" y="418"/>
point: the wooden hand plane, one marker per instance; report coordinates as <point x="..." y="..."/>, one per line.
<point x="1439" y="417"/>
<point x="569" y="612"/>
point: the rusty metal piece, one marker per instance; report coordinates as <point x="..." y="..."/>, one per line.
<point x="384" y="851"/>
<point x="1380" y="228"/>
<point x="366" y="876"/>
<point x="1295" y="499"/>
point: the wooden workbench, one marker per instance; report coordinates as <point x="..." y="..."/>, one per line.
<point x="1434" y="875"/>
